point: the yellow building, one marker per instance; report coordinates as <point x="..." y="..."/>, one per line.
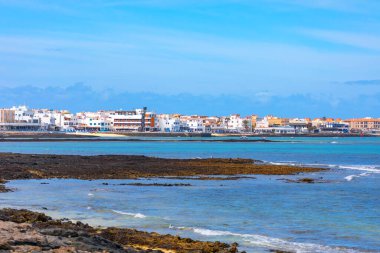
<point x="276" y="121"/>
<point x="364" y="123"/>
<point x="253" y="121"/>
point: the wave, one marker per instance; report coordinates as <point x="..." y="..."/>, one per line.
<point x="369" y="169"/>
<point x="285" y="163"/>
<point x="350" y="177"/>
<point x="134" y="215"/>
<point x="270" y="242"/>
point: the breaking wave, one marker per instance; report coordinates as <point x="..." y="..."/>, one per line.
<point x="368" y="169"/>
<point x="350" y="177"/>
<point x="270" y="242"/>
<point x="134" y="215"/>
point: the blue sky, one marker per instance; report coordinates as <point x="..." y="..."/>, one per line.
<point x="284" y="57"/>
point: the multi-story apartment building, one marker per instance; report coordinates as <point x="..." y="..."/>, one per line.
<point x="24" y="115"/>
<point x="45" y="117"/>
<point x="19" y="118"/>
<point x="65" y="121"/>
<point x="213" y="125"/>
<point x="91" y="121"/>
<point x="262" y="123"/>
<point x="122" y="120"/>
<point x="301" y="125"/>
<point x="193" y="123"/>
<point x="274" y="121"/>
<point x="169" y="123"/>
<point x="364" y="124"/>
<point x="235" y="123"/>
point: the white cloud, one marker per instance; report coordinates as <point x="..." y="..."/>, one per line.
<point x="359" y="40"/>
<point x="161" y="58"/>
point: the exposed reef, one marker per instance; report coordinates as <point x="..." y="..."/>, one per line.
<point x="27" y="231"/>
<point x="26" y="166"/>
<point x="2" y="186"/>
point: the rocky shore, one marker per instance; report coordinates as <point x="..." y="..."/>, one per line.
<point x="27" y="231"/>
<point x="2" y="186"/>
<point x="26" y="166"/>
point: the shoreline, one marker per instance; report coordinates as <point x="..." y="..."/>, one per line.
<point x="26" y="231"/>
<point x="46" y="233"/>
<point x="37" y="136"/>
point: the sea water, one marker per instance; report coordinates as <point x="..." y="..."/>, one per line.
<point x="340" y="215"/>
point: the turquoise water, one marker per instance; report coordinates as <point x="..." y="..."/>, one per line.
<point x="341" y="215"/>
<point x="348" y="151"/>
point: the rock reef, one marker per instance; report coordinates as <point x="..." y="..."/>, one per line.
<point x="2" y="186"/>
<point x="26" y="166"/>
<point x="27" y="231"/>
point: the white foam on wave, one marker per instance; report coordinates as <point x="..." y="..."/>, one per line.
<point x="350" y="177"/>
<point x="285" y="163"/>
<point x="271" y="242"/>
<point x="134" y="215"/>
<point x="368" y="168"/>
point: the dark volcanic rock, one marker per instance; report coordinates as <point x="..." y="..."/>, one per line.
<point x="27" y="231"/>
<point x="2" y="186"/>
<point x="306" y="180"/>
<point x="25" y="166"/>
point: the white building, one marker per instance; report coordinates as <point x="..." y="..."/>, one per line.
<point x="235" y="123"/>
<point x="65" y="121"/>
<point x="91" y="121"/>
<point x="195" y="125"/>
<point x="23" y="120"/>
<point x="275" y="130"/>
<point x="169" y="123"/>
<point x="24" y="115"/>
<point x="122" y="120"/>
<point x="46" y="118"/>
<point x="262" y="123"/>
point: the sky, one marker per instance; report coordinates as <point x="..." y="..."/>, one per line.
<point x="281" y="57"/>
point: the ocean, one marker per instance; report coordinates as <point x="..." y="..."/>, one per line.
<point x="341" y="214"/>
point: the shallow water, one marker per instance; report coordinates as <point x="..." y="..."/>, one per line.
<point x="342" y="215"/>
<point x="348" y="150"/>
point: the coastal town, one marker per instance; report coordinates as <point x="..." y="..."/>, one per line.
<point x="23" y="118"/>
